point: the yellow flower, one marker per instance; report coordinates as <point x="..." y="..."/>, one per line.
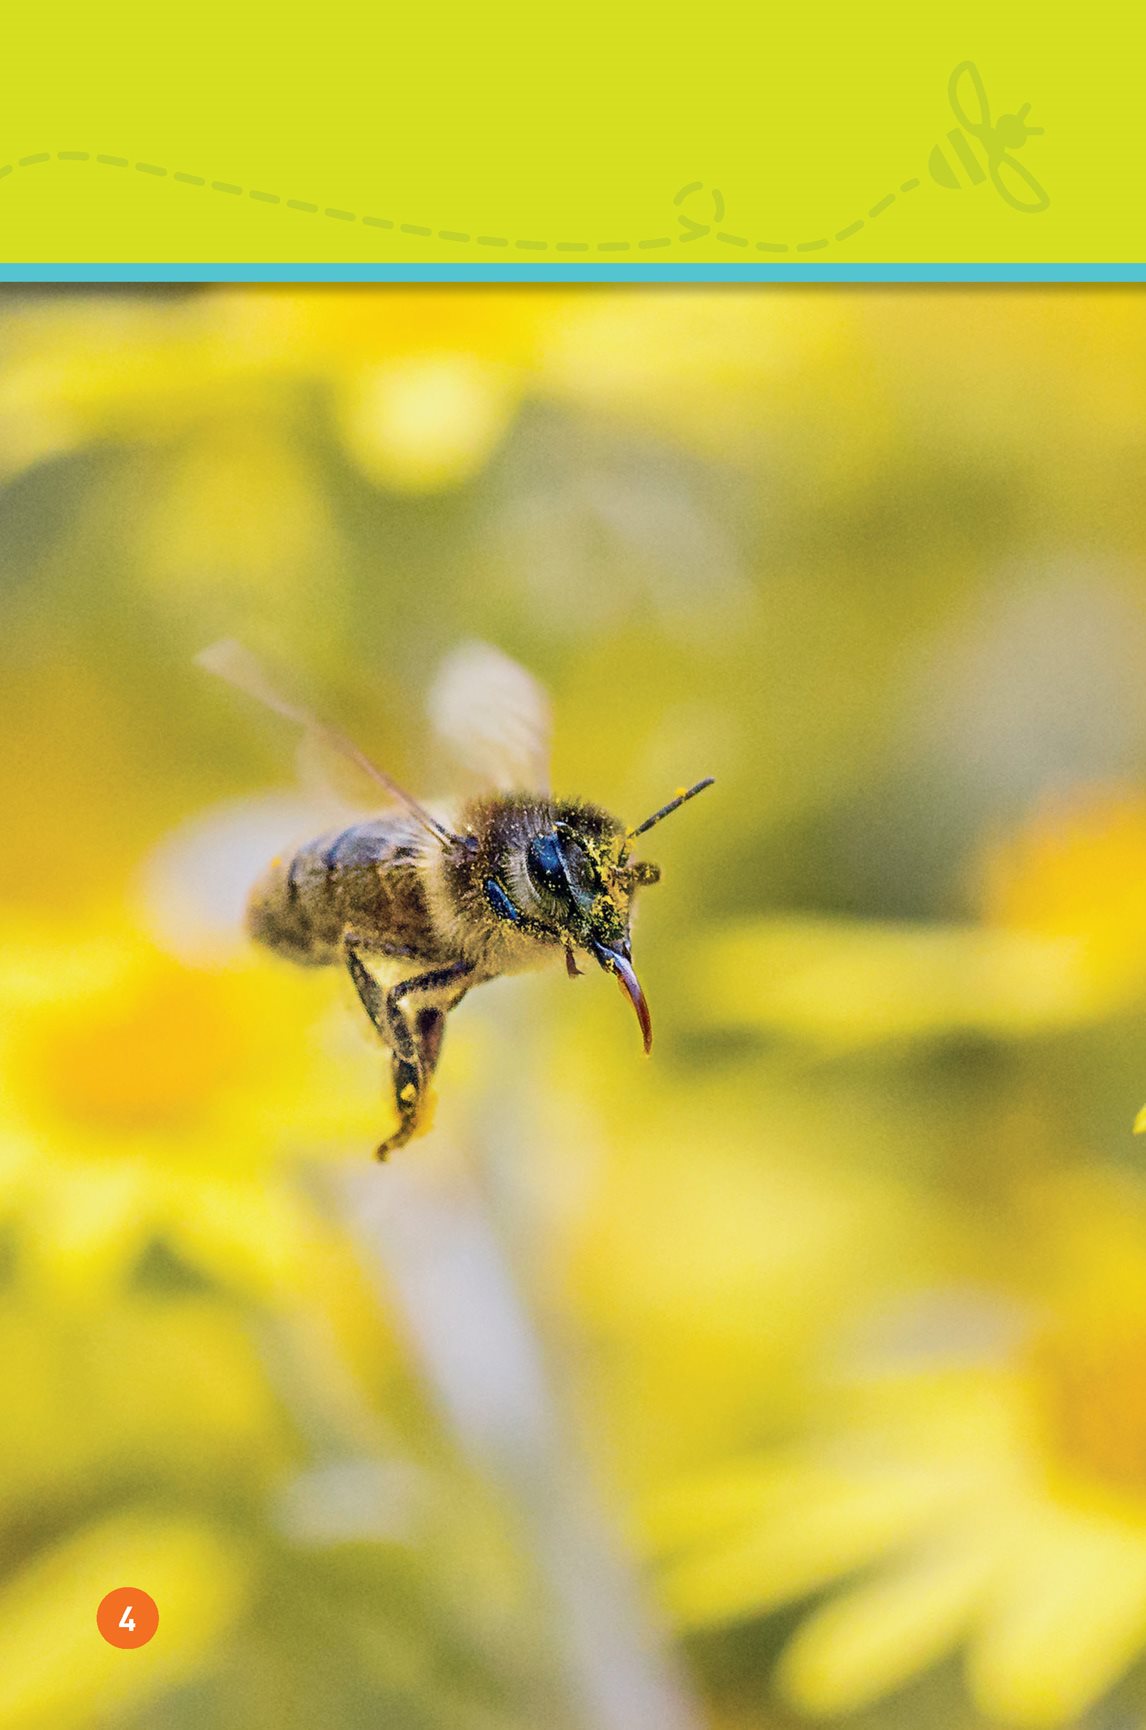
<point x="146" y="1099"/>
<point x="197" y="1361"/>
<point x="701" y="1209"/>
<point x="217" y="413"/>
<point x="168" y="1380"/>
<point x="1060" y="942"/>
<point x="718" y="371"/>
<point x="53" y="1662"/>
<point x="1075" y="871"/>
<point x="845" y="984"/>
<point x="421" y="382"/>
<point x="988" y="1494"/>
<point x="425" y="384"/>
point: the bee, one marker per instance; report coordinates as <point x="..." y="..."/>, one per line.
<point x="420" y="910"/>
<point x="997" y="139"/>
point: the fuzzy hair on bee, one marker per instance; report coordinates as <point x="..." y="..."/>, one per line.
<point x="420" y="910"/>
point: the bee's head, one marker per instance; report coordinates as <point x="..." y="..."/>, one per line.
<point x="565" y="877"/>
<point x="583" y="889"/>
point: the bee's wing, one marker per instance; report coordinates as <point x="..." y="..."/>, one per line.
<point x="968" y="97"/>
<point x="1018" y="186"/>
<point x="229" y="660"/>
<point x="494" y="717"/>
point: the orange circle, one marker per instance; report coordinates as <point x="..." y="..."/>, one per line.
<point x="127" y="1617"/>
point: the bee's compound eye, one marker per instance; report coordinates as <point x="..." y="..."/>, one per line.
<point x="546" y="866"/>
<point x="578" y="869"/>
<point x="559" y="867"/>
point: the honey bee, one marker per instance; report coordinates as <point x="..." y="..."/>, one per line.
<point x="420" y="910"/>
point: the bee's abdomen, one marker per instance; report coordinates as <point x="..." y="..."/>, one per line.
<point x="360" y="879"/>
<point x="287" y="909"/>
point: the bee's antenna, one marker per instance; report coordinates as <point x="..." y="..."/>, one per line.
<point x="673" y="805"/>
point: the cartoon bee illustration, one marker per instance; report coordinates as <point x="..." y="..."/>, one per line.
<point x="995" y="139"/>
<point x="420" y="909"/>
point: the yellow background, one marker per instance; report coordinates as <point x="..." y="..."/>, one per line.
<point x="578" y="125"/>
<point x="793" y="1377"/>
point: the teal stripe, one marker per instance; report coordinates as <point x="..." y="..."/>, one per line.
<point x="573" y="272"/>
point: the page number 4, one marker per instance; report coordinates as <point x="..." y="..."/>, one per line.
<point x="127" y="1617"/>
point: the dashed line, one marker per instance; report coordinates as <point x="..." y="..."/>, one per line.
<point x="464" y="237"/>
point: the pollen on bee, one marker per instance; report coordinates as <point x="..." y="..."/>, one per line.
<point x="426" y="1114"/>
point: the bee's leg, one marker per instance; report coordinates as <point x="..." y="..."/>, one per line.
<point x="390" y="1023"/>
<point x="370" y="992"/>
<point x="429" y="1031"/>
<point x="416" y="1049"/>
